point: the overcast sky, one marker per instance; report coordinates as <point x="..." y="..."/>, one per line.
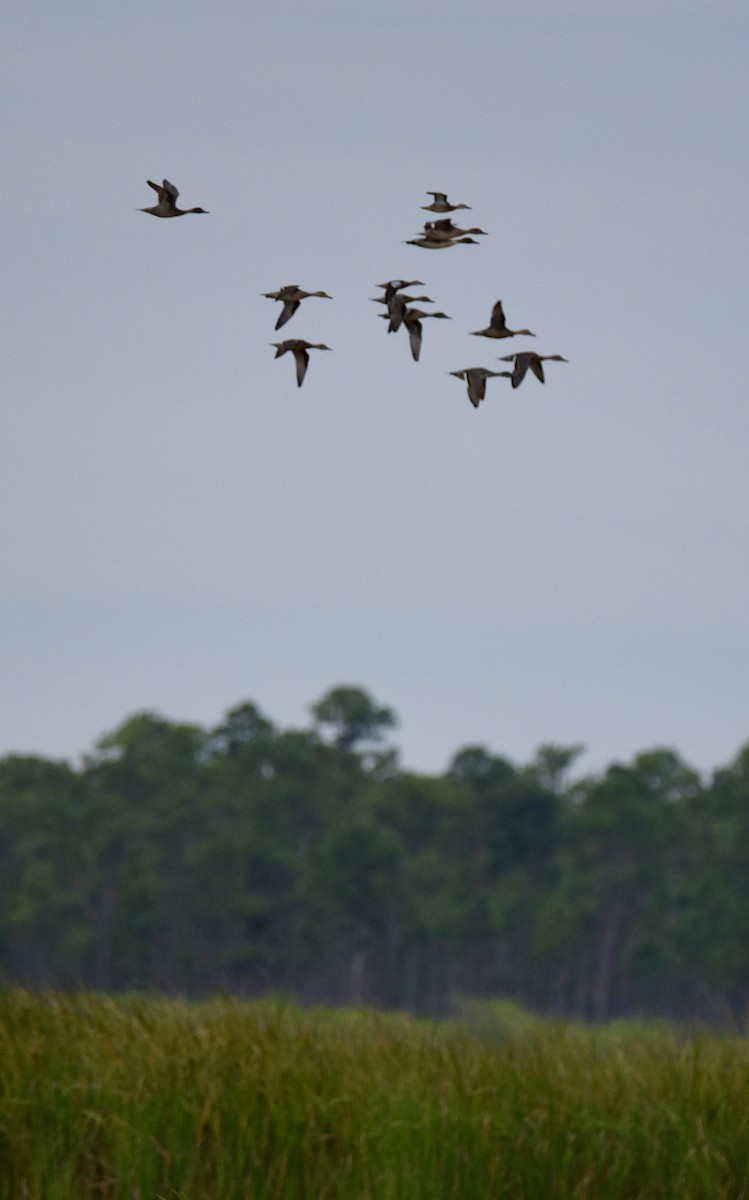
<point x="182" y="528"/>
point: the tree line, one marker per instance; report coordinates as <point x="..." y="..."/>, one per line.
<point x="307" y="862"/>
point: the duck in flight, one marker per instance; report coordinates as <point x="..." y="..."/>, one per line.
<point x="397" y="285"/>
<point x="167" y="205"/>
<point x="475" y="378"/>
<point x="441" y="231"/>
<point x="412" y="318"/>
<point x="397" y="305"/>
<point x="528" y="360"/>
<point x="441" y="204"/>
<point x="298" y="347"/>
<point x="497" y="327"/>
<point x="291" y="295"/>
<point x="427" y="242"/>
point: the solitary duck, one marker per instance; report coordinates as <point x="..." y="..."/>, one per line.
<point x="412" y="318"/>
<point x="435" y="243"/>
<point x="476" y="378"/>
<point x="441" y="204"/>
<point x="299" y="349"/>
<point x="529" y="360"/>
<point x="291" y="295"/>
<point x="497" y="327"/>
<point x="441" y="230"/>
<point x="167" y="205"/>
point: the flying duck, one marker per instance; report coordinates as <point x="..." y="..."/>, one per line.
<point x="441" y="203"/>
<point x="497" y="327"/>
<point x="529" y="360"/>
<point x="476" y="378"/>
<point x="167" y="205"/>
<point x="298" y="348"/>
<point x="436" y="243"/>
<point x="442" y="230"/>
<point x="412" y="318"/>
<point x="291" y="295"/>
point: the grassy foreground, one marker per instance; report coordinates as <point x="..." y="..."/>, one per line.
<point x="143" y="1099"/>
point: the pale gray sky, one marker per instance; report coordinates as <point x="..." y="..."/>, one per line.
<point x="182" y="528"/>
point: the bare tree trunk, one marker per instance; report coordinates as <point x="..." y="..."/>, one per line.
<point x="102" y="966"/>
<point x="609" y="944"/>
<point x="356" y="977"/>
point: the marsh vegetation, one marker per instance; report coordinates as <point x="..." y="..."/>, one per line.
<point x="151" y="1099"/>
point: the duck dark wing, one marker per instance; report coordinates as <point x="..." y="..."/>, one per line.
<point x="476" y="389"/>
<point x="415" y="330"/>
<point x="302" y="362"/>
<point x="396" y="308"/>
<point x="166" y="192"/>
<point x="522" y="363"/>
<point x="497" y="320"/>
<point x="537" y="367"/>
<point x="164" y="197"/>
<point x="287" y="312"/>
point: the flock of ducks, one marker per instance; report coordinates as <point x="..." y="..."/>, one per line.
<point x="441" y="234"/>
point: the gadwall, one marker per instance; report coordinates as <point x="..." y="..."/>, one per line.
<point x="299" y="349"/>
<point x="529" y="360"/>
<point x="412" y="318"/>
<point x="497" y="327"/>
<point x="167" y="205"/>
<point x="436" y="243"/>
<point x="291" y="296"/>
<point x="441" y="204"/>
<point x="476" y="378"/>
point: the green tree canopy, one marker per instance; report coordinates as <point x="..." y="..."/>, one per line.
<point x="352" y="716"/>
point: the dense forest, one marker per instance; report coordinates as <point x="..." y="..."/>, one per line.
<point x="308" y="863"/>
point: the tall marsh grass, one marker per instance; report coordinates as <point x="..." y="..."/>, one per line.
<point x="148" y="1099"/>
